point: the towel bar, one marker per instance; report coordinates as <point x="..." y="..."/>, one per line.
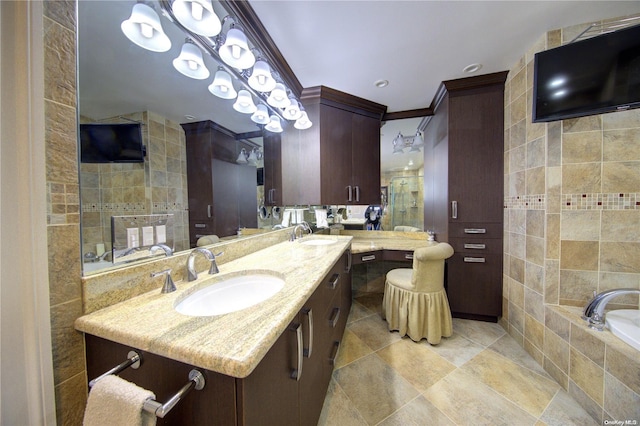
<point x="133" y="361"/>
<point x="196" y="381"/>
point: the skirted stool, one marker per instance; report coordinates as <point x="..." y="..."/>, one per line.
<point x="415" y="303"/>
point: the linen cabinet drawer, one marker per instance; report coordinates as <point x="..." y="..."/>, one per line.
<point x="365" y="257"/>
<point x="398" y="255"/>
<point x="475" y="230"/>
<point x="476" y="246"/>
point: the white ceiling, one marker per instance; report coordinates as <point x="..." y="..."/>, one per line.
<point x="345" y="45"/>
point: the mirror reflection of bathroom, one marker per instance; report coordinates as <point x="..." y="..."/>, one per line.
<point x="402" y="174"/>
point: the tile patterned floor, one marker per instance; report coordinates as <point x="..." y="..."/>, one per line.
<point x="478" y="376"/>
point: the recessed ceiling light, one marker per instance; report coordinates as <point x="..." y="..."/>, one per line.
<point x="471" y="68"/>
<point x="381" y="83"/>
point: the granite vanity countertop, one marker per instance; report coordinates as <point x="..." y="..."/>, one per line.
<point x="365" y="244"/>
<point x="233" y="343"/>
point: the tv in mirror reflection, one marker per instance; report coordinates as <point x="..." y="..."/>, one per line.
<point x="111" y="143"/>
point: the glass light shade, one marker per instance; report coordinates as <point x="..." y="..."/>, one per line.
<point x="197" y="16"/>
<point x="303" y="122"/>
<point x="418" y="140"/>
<point x="242" y="157"/>
<point x="292" y="112"/>
<point x="222" y="86"/>
<point x="235" y="50"/>
<point x="278" y="97"/>
<point x="244" y="103"/>
<point x="414" y="148"/>
<point x="274" y="124"/>
<point x="261" y="78"/>
<point x="398" y="144"/>
<point x="253" y="158"/>
<point x="190" y="62"/>
<point x="261" y="116"/>
<point x="144" y="29"/>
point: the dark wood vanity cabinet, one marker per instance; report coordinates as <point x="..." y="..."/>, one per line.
<point x="464" y="177"/>
<point x="221" y="192"/>
<point x="338" y="159"/>
<point x="282" y="390"/>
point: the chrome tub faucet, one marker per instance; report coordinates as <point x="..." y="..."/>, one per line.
<point x="594" y="311"/>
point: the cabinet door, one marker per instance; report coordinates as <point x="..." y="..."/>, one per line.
<point x="269" y="395"/>
<point x="200" y="184"/>
<point x="272" y="169"/>
<point x="474" y="285"/>
<point x="365" y="159"/>
<point x="476" y="156"/>
<point x="335" y="156"/>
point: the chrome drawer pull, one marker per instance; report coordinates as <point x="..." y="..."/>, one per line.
<point x="297" y="373"/>
<point x="335" y="315"/>
<point x="475" y="231"/>
<point x="474" y="259"/>
<point x="368" y="258"/>
<point x="454" y="210"/>
<point x="333" y="283"/>
<point x="334" y="353"/>
<point x="200" y="225"/>
<point x="408" y="256"/>
<point x="309" y="313"/>
<point x="475" y="246"/>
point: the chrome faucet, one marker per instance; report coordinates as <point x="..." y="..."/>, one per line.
<point x="594" y="311"/>
<point x="167" y="250"/>
<point x="168" y="286"/>
<point x="302" y="226"/>
<point x="192" y="275"/>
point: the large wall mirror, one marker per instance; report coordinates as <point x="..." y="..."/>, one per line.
<point x="122" y="83"/>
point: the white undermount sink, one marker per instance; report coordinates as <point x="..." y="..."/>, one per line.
<point x="230" y="294"/>
<point x="625" y="324"/>
<point x="318" y="242"/>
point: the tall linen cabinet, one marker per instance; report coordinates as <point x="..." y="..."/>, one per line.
<point x="463" y="184"/>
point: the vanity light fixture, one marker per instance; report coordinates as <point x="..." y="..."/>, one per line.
<point x="292" y="111"/>
<point x="144" y="29"/>
<point x="253" y="157"/>
<point x="190" y="62"/>
<point x="261" y="78"/>
<point x="198" y="16"/>
<point x="242" y="157"/>
<point x="274" y="124"/>
<point x="303" y="122"/>
<point x="278" y="97"/>
<point x="222" y="86"/>
<point x="417" y="142"/>
<point x="261" y="116"/>
<point x="244" y="103"/>
<point x="398" y="144"/>
<point x="235" y="51"/>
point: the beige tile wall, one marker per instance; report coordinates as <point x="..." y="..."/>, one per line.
<point x="572" y="216"/>
<point x="157" y="186"/>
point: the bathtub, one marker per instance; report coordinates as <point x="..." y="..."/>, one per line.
<point x="625" y="324"/>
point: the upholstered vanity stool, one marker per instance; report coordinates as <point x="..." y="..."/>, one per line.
<point x="415" y="302"/>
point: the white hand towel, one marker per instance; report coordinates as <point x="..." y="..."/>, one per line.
<point x="286" y="218"/>
<point x="115" y="401"/>
<point x="321" y="218"/>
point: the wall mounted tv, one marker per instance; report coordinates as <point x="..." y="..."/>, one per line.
<point x="593" y="76"/>
<point x="111" y="143"/>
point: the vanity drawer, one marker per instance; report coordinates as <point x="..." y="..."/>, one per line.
<point x="398" y="255"/>
<point x="476" y="245"/>
<point x="475" y="230"/>
<point x="366" y="257"/>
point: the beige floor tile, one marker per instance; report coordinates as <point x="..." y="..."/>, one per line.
<point x="509" y="348"/>
<point x="457" y="349"/>
<point x="483" y="333"/>
<point x="373" y="331"/>
<point x="565" y="411"/>
<point x="358" y="311"/>
<point x="421" y="367"/>
<point x="374" y="388"/>
<point x="468" y="401"/>
<point x="418" y="412"/>
<point x="351" y="349"/>
<point x="507" y="378"/>
<point x="371" y="301"/>
<point x="338" y="409"/>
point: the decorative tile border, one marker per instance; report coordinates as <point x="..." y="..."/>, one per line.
<point x="600" y="201"/>
<point x="114" y="207"/>
<point x="529" y="202"/>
